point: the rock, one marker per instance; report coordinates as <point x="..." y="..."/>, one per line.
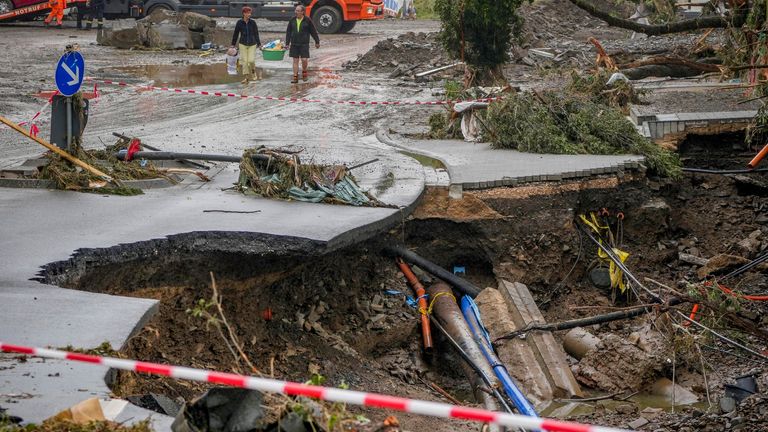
<point x="618" y="365"/>
<point x="626" y="408"/>
<point x="160" y="15"/>
<point x="727" y="404"/>
<point x="651" y="220"/>
<point x="674" y="393"/>
<point x="751" y="244"/>
<point x="196" y="22"/>
<point x="720" y="264"/>
<point x="578" y="342"/>
<point x="197" y="39"/>
<point x="169" y="36"/>
<point x="651" y="413"/>
<point x="292" y="423"/>
<point x="600" y="277"/>
<point x="638" y="423"/>
<point x="692" y="259"/>
<point x="119" y="34"/>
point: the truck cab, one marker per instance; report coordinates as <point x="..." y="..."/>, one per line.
<point x="329" y="16"/>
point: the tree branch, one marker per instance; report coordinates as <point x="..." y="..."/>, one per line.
<point x="658" y="29"/>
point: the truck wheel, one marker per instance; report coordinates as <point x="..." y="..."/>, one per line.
<point x="6" y="6"/>
<point x="161" y="6"/>
<point x="348" y="26"/>
<point x="327" y="19"/>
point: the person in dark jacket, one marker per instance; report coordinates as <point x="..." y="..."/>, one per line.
<point x="300" y="28"/>
<point x="83" y="14"/>
<point x="246" y="38"/>
<point x="96" y="13"/>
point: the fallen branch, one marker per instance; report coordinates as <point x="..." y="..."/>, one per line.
<point x="583" y="322"/>
<point x="592" y="399"/>
<point x="667" y="60"/>
<point x="660" y="29"/>
<point x="58" y="151"/>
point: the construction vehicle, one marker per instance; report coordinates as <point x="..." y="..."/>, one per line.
<point x="329" y="16"/>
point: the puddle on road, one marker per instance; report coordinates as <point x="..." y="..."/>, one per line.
<point x="425" y="160"/>
<point x="186" y="75"/>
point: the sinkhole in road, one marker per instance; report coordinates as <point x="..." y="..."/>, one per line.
<point x="299" y="309"/>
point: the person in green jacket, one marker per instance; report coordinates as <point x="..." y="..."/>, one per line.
<point x="300" y="28"/>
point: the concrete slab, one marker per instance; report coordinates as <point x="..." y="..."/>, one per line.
<point x="44" y="315"/>
<point x="548" y="352"/>
<point x="479" y="166"/>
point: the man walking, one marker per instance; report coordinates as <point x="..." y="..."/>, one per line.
<point x="300" y="28"/>
<point x="97" y="13"/>
<point x="248" y="34"/>
<point x="84" y="14"/>
<point x="57" y="12"/>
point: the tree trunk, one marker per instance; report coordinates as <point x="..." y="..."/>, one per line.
<point x="660" y="29"/>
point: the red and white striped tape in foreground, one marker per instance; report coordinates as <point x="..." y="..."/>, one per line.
<point x="433" y="409"/>
<point x="283" y="99"/>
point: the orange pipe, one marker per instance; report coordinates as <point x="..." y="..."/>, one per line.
<point x="693" y="315"/>
<point x="729" y="291"/>
<point x="418" y="288"/>
<point x="758" y="157"/>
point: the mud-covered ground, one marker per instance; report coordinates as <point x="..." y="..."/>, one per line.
<point x="344" y="315"/>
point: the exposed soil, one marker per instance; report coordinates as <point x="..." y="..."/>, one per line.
<point x="343" y="314"/>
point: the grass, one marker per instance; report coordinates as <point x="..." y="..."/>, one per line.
<point x="425" y="9"/>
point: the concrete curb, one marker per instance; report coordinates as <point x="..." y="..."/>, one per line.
<point x="456" y="172"/>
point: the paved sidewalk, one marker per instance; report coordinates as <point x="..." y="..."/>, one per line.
<point x="478" y="166"/>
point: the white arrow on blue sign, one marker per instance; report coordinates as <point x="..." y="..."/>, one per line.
<point x="69" y="73"/>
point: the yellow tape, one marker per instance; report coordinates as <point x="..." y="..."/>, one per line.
<point x="432" y="302"/>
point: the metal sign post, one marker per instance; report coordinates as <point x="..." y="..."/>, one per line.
<point x="70" y="72"/>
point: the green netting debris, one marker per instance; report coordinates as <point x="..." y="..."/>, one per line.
<point x="275" y="174"/>
<point x="567" y="124"/>
<point x="70" y="177"/>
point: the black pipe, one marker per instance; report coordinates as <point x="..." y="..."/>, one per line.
<point x="583" y="322"/>
<point x="184" y="161"/>
<point x="734" y="171"/>
<point x="461" y="285"/>
<point x="153" y="155"/>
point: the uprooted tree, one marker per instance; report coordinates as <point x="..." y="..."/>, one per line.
<point x="480" y="33"/>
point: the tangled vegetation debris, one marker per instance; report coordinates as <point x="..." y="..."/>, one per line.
<point x="619" y="94"/>
<point x="69" y="177"/>
<point x="280" y="174"/>
<point x="70" y="426"/>
<point x="548" y="123"/>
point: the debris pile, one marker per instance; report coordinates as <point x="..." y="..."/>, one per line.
<point x="404" y="56"/>
<point x="162" y="29"/>
<point x="69" y="177"/>
<point x="278" y="174"/>
<point x="540" y="122"/>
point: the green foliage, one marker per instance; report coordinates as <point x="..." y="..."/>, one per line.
<point x="454" y="90"/>
<point x="481" y="30"/>
<point x="442" y="126"/>
<point x="425" y="9"/>
<point x="619" y="95"/>
<point x="571" y="125"/>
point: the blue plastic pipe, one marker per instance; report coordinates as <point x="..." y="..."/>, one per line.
<point x="483" y="339"/>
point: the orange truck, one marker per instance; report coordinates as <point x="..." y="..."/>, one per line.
<point x="329" y="16"/>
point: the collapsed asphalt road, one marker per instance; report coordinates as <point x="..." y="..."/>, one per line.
<point x="44" y="226"/>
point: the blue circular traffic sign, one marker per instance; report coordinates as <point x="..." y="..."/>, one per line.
<point x="70" y="73"/>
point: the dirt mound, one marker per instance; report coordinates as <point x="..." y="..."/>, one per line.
<point x="404" y="55"/>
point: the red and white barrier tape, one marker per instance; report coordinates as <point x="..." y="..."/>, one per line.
<point x="373" y="400"/>
<point x="284" y="99"/>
